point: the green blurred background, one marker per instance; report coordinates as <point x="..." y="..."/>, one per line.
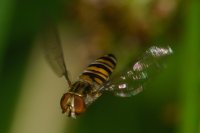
<point x="30" y="91"/>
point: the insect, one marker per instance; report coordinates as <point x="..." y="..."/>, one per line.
<point x="95" y="79"/>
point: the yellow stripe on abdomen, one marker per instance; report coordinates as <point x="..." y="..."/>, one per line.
<point x="100" y="70"/>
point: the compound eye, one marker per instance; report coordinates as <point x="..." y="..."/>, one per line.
<point x="79" y="104"/>
<point x="64" y="102"/>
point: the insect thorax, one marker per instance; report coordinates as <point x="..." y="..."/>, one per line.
<point x="86" y="90"/>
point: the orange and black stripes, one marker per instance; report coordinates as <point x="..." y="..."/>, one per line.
<point x="100" y="70"/>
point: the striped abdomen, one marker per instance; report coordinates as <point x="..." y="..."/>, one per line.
<point x="100" y="70"/>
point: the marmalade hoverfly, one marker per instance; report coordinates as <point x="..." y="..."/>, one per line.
<point x="94" y="80"/>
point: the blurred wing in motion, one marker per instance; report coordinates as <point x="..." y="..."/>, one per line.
<point x="53" y="52"/>
<point x="132" y="81"/>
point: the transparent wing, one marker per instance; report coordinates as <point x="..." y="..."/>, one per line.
<point x="132" y="81"/>
<point x="53" y="52"/>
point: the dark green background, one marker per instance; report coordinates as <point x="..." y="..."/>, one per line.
<point x="177" y="87"/>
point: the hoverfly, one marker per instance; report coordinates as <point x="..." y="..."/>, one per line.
<point x="95" y="79"/>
